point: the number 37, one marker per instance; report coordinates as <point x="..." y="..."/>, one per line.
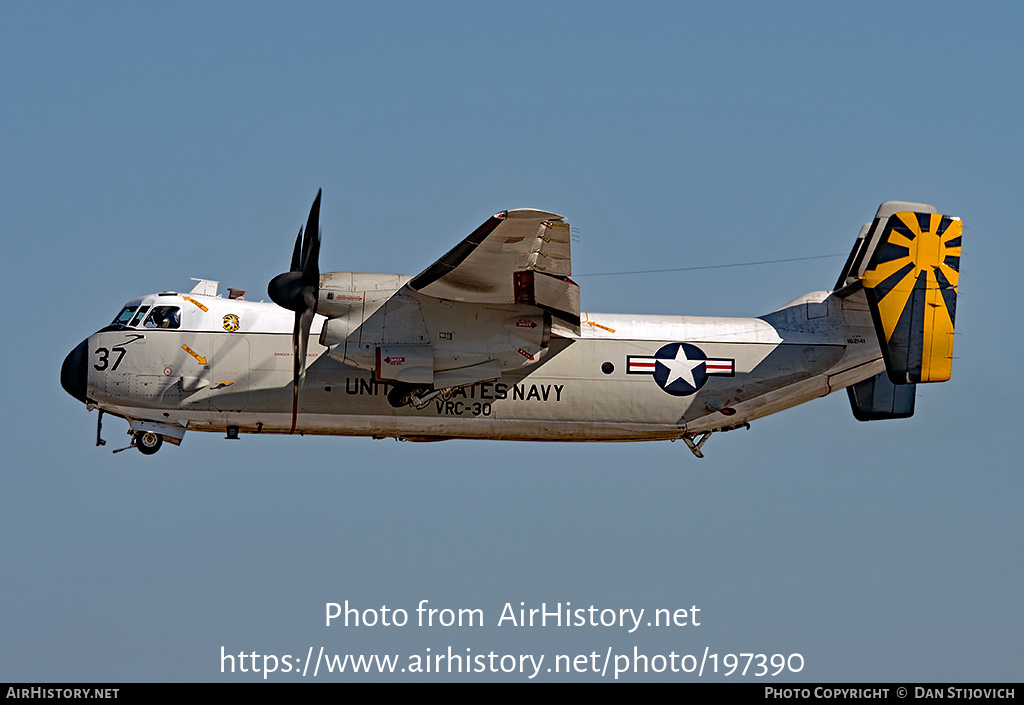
<point x="104" y="360"/>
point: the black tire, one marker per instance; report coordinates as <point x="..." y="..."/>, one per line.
<point x="401" y="393"/>
<point x="148" y="442"/>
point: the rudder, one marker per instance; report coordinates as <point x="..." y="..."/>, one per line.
<point x="908" y="263"/>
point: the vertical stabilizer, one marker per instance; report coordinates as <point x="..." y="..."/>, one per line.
<point x="908" y="262"/>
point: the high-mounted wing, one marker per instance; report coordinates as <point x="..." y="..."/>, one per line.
<point x="492" y="304"/>
<point x="516" y="256"/>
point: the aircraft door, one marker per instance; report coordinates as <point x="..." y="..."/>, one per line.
<point x="229" y="381"/>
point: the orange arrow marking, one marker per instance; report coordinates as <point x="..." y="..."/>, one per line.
<point x="199" y="358"/>
<point x="189" y="298"/>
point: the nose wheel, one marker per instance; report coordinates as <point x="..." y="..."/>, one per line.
<point x="148" y="442"/>
<point x="149" y="436"/>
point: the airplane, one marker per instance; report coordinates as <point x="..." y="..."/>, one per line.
<point x="489" y="342"/>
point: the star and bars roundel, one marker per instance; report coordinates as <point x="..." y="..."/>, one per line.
<point x="679" y="368"/>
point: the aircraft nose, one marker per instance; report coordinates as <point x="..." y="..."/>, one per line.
<point x="74" y="374"/>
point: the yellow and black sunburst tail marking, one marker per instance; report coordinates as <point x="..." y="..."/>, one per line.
<point x="911" y="285"/>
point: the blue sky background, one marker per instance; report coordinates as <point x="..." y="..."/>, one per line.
<point x="145" y="144"/>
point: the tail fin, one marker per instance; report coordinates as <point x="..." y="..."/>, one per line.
<point x="908" y="262"/>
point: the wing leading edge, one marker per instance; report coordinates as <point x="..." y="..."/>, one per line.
<point x="516" y="256"/>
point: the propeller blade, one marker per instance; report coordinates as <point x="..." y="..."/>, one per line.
<point x="296" y="252"/>
<point x="304" y="323"/>
<point x="298" y="290"/>
<point x="300" y="344"/>
<point x="296" y="361"/>
<point x="310" y="264"/>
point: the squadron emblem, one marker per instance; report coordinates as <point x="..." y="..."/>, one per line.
<point x="679" y="368"/>
<point x="231" y="323"/>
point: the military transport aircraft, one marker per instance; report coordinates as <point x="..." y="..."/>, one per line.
<point x="489" y="342"/>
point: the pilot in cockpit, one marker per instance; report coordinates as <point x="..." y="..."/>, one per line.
<point x="164" y="317"/>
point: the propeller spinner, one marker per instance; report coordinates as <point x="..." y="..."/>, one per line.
<point x="298" y="290"/>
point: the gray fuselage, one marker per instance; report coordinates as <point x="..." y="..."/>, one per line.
<point x="229" y="363"/>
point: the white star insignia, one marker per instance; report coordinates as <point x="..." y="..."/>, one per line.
<point x="681" y="367"/>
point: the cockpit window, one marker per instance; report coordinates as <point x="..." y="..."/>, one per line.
<point x="137" y="318"/>
<point x="125" y="316"/>
<point x="164" y="317"/>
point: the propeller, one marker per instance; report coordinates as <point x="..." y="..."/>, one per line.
<point x="298" y="290"/>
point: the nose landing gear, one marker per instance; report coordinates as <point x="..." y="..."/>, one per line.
<point x="148" y="442"/>
<point x="149" y="436"/>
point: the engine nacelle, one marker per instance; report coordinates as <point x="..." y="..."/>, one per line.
<point x="410" y="338"/>
<point x="411" y="364"/>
